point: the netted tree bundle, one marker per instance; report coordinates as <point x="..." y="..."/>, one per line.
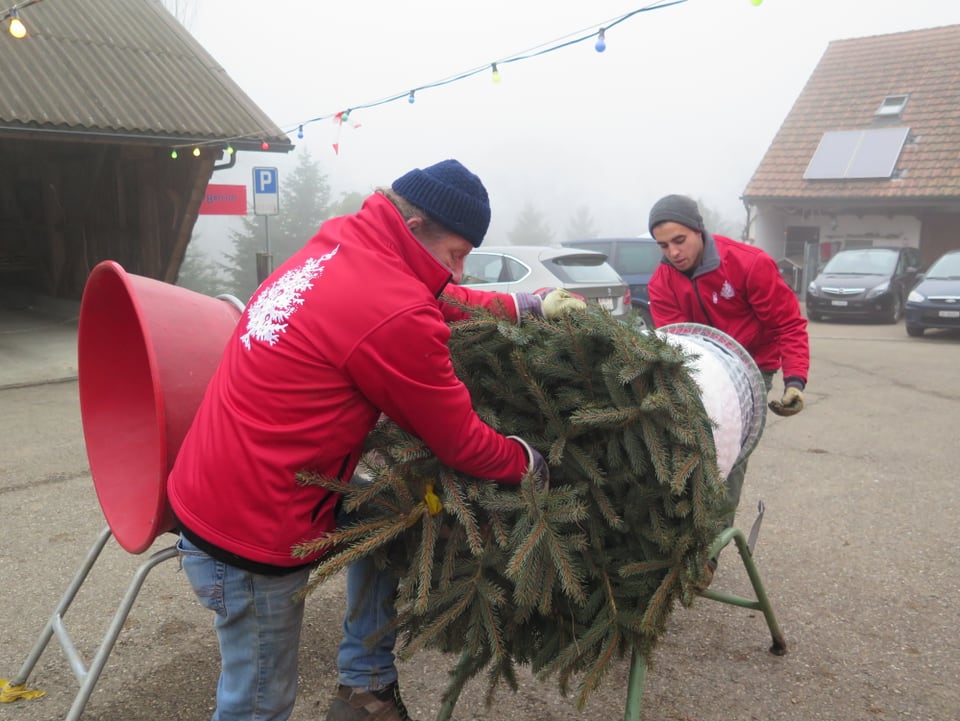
<point x="567" y="578"/>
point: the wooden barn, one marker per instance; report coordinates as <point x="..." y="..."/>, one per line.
<point x="95" y="102"/>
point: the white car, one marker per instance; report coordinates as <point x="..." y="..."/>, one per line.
<point x="528" y="268"/>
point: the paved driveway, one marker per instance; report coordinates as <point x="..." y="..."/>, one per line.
<point x="858" y="551"/>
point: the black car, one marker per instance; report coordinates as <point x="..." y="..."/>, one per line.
<point x="935" y="301"/>
<point x="870" y="283"/>
<point x="634" y="258"/>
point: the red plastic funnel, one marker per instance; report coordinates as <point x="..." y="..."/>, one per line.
<point x="145" y="353"/>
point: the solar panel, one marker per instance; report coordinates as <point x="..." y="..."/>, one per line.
<point x="856" y="154"/>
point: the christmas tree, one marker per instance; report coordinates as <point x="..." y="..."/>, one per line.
<point x="564" y="578"/>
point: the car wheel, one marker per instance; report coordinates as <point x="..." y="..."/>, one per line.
<point x="914" y="331"/>
<point x="815" y="317"/>
<point x="896" y="311"/>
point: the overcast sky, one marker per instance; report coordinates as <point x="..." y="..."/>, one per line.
<point x="686" y="98"/>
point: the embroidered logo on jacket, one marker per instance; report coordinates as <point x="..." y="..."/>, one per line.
<point x="726" y="290"/>
<point x="267" y="316"/>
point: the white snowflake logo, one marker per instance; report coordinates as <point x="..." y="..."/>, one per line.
<point x="266" y="318"/>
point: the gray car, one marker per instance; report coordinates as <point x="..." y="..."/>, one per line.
<point x="528" y="268"/>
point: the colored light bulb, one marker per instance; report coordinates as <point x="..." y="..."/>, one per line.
<point x="17" y="28"/>
<point x="496" y="73"/>
<point x="601" y="42"/>
<point x="196" y="152"/>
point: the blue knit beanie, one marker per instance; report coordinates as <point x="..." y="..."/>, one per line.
<point x="451" y="195"/>
<point x="679" y="209"/>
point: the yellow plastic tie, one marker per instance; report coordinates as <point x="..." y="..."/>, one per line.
<point x="9" y="694"/>
<point x="434" y="505"/>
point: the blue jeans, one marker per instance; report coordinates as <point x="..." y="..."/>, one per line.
<point x="365" y="659"/>
<point x="258" y="627"/>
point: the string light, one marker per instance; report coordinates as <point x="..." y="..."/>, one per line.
<point x="17" y="28"/>
<point x="601" y="42"/>
<point x="174" y="154"/>
<point x="196" y="152"/>
<point x="597" y="33"/>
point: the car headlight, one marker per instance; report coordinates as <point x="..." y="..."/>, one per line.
<point x="878" y="290"/>
<point x="916" y="297"/>
<point x="812" y="289"/>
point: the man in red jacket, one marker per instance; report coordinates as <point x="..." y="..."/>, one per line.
<point x="736" y="288"/>
<point x="351" y="327"/>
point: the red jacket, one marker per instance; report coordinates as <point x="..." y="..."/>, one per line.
<point x="738" y="289"/>
<point x="350" y="327"/>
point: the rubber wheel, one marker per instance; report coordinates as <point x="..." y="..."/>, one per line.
<point x="896" y="312"/>
<point x="914" y="331"/>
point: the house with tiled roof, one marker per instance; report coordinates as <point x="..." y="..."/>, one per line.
<point x="868" y="155"/>
<point x="113" y="119"/>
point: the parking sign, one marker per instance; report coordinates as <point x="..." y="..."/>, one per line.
<point x="266" y="191"/>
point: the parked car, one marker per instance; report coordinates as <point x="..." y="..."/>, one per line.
<point x="867" y="283"/>
<point x="935" y="301"/>
<point x="634" y="259"/>
<point x="527" y="268"/>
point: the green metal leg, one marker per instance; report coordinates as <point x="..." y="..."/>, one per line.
<point x="638" y="663"/>
<point x="463" y="671"/>
<point x="762" y="603"/>
<point x="638" y="676"/>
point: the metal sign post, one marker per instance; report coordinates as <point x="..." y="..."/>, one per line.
<point x="266" y="202"/>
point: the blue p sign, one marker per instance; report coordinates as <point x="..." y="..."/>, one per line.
<point x="266" y="191"/>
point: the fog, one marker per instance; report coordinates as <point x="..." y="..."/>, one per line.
<point x="685" y="98"/>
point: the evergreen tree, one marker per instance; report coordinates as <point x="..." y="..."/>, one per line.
<point x="565" y="578"/>
<point x="531" y="228"/>
<point x="349" y="203"/>
<point x="581" y="225"/>
<point x="304" y="205"/>
<point x="202" y="274"/>
<point x="716" y="222"/>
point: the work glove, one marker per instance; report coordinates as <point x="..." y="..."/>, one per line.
<point x="535" y="463"/>
<point x="557" y="301"/>
<point x="790" y="404"/>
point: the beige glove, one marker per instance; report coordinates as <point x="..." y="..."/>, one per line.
<point x="790" y="404"/>
<point x="559" y="301"/>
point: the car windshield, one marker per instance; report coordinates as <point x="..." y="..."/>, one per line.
<point x="869" y="261"/>
<point x="639" y="258"/>
<point x="583" y="269"/>
<point x="946" y="268"/>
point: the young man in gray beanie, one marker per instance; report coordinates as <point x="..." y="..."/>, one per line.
<point x="736" y="288"/>
<point x="351" y="327"/>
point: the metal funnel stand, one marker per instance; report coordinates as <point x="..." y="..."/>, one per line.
<point x="146" y="351"/>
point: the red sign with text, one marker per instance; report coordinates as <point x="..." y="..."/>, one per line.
<point x="224" y="200"/>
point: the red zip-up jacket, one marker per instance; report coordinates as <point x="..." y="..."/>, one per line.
<point x="738" y="289"/>
<point x="350" y="327"/>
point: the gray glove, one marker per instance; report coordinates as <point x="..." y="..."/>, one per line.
<point x="535" y="463"/>
<point x="790" y="404"/>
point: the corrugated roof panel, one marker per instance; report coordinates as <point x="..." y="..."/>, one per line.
<point x="123" y="67"/>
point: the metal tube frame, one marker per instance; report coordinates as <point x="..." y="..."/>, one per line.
<point x="88" y="677"/>
<point x="638" y="663"/>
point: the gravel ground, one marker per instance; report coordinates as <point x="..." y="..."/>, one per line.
<point x="857" y="551"/>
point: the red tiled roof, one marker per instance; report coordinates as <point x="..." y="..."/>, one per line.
<point x="843" y="93"/>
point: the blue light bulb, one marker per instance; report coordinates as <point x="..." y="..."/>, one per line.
<point x="601" y="43"/>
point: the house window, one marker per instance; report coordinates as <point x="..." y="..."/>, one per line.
<point x="892" y="105"/>
<point x="856" y="154"/>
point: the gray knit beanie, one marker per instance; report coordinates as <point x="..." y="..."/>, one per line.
<point x="679" y="209"/>
<point x="451" y="195"/>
